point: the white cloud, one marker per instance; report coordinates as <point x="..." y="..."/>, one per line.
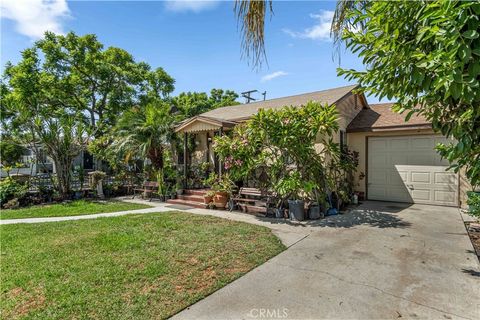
<point x="190" y="5"/>
<point x="34" y="17"/>
<point x="319" y="31"/>
<point x="273" y="75"/>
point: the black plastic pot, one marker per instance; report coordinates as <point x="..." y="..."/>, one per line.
<point x="295" y="210"/>
<point x="315" y="213"/>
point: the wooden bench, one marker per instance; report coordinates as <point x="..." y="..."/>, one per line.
<point x="148" y="188"/>
<point x="252" y="200"/>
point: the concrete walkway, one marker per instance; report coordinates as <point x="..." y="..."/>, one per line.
<point x="288" y="232"/>
<point x="382" y="261"/>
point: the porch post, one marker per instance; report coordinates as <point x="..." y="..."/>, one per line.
<point x="185" y="183"/>
<point x="220" y="131"/>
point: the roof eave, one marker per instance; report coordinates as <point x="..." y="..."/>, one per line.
<point x="391" y="128"/>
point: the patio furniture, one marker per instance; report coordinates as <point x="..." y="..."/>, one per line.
<point x="148" y="188"/>
<point x="252" y="200"/>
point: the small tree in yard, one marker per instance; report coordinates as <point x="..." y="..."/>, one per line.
<point x="426" y="55"/>
<point x="144" y="132"/>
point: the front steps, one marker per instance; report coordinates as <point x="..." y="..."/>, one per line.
<point x="191" y="198"/>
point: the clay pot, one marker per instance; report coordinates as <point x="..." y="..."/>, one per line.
<point x="220" y="199"/>
<point x="207" y="199"/>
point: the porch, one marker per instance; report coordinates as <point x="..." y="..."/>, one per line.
<point x="203" y="130"/>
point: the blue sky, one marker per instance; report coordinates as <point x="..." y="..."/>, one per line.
<point x="196" y="42"/>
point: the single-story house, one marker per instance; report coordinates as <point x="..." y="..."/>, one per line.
<point x="397" y="160"/>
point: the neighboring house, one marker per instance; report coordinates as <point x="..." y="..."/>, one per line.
<point x="34" y="164"/>
<point x="396" y="158"/>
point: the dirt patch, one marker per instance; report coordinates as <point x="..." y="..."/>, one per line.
<point x="26" y="302"/>
<point x="473" y="229"/>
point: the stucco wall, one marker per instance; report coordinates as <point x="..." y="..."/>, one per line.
<point x="357" y="141"/>
<point x="347" y="108"/>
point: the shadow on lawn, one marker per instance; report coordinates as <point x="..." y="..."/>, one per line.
<point x="356" y="217"/>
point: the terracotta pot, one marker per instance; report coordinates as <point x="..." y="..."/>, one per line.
<point x="207" y="199"/>
<point x="220" y="199"/>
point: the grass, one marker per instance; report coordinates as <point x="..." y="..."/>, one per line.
<point x="74" y="208"/>
<point x="129" y="267"/>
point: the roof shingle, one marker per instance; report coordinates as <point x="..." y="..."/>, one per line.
<point x="245" y="111"/>
<point x="380" y="116"/>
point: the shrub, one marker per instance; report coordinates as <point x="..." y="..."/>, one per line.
<point x="474" y="204"/>
<point x="10" y="189"/>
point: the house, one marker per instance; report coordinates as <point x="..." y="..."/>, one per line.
<point x="34" y="163"/>
<point x="397" y="160"/>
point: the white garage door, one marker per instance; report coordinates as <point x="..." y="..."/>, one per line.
<point x="407" y="169"/>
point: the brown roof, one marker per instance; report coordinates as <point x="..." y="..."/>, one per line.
<point x="245" y="111"/>
<point x="381" y="117"/>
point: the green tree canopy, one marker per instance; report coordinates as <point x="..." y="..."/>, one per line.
<point x="81" y="74"/>
<point x="425" y="55"/>
<point x="10" y="151"/>
<point x="190" y="104"/>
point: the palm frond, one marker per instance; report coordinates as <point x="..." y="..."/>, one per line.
<point x="251" y="16"/>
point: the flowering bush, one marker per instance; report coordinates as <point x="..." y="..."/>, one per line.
<point x="278" y="147"/>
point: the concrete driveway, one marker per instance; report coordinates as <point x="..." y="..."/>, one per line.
<point x="380" y="261"/>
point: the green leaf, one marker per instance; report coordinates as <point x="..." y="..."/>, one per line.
<point x="470" y="34"/>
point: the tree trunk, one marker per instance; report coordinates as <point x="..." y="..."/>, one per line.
<point x="63" y="165"/>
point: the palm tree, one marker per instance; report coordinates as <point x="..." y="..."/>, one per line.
<point x="145" y="132"/>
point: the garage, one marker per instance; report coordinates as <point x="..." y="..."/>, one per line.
<point x="408" y="169"/>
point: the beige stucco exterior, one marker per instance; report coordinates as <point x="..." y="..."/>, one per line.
<point x="347" y="109"/>
<point x="357" y="141"/>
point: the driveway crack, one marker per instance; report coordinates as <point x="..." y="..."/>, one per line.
<point x="375" y="288"/>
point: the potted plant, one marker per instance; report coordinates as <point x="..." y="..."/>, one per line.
<point x="208" y="197"/>
<point x="316" y="207"/>
<point x="291" y="187"/>
<point x="222" y="187"/>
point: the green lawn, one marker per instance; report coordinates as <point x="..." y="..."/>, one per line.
<point x="129" y="267"/>
<point x="74" y="208"/>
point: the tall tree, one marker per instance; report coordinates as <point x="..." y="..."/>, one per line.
<point x="425" y="55"/>
<point x="67" y="90"/>
<point x="37" y="120"/>
<point x="101" y="82"/>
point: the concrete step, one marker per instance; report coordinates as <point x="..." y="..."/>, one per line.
<point x="194" y="204"/>
<point x="197" y="192"/>
<point x="190" y="197"/>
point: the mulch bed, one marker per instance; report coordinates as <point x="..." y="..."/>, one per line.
<point x="473" y="229"/>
